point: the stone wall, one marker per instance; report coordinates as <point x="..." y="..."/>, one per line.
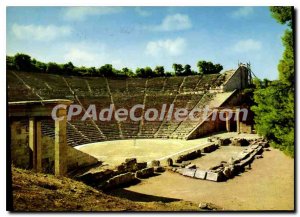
<point x="78" y="159"/>
<point x="208" y="127"/>
<point x="21" y="153"/>
<point x="239" y="80"/>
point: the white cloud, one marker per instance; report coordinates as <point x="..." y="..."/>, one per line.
<point x="247" y="45"/>
<point x="39" y="32"/>
<point x="173" y="22"/>
<point x="76" y="55"/>
<point x="171" y="47"/>
<point x="81" y="13"/>
<point x="89" y="54"/>
<point x="243" y="12"/>
<point x="142" y="12"/>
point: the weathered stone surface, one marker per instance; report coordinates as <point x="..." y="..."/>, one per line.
<point x="130" y="165"/>
<point x="188" y="172"/>
<point x="189" y="156"/>
<point x="212" y="176"/>
<point x="170" y="162"/>
<point x="200" y="174"/>
<point x="120" y="180"/>
<point x="179" y="170"/>
<point x="155" y="163"/>
<point x="145" y="173"/>
<point x="94" y="177"/>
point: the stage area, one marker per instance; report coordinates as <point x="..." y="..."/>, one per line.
<point x="115" y="152"/>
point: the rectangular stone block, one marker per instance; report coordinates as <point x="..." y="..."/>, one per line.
<point x="212" y="176"/>
<point x="188" y="172"/>
<point x="200" y="174"/>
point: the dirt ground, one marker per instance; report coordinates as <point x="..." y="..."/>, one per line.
<point x="269" y="185"/>
<point x="44" y="192"/>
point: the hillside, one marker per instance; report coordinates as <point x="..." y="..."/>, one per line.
<point x="44" y="192"/>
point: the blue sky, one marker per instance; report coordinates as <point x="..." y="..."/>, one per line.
<point x="148" y="36"/>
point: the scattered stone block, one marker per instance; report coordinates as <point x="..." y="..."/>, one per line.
<point x="213" y="176"/>
<point x="188" y="172"/>
<point x="189" y="156"/>
<point x="159" y="169"/>
<point x="209" y="148"/>
<point x="240" y="142"/>
<point x="145" y="173"/>
<point x="120" y="180"/>
<point x="191" y="166"/>
<point x="170" y="162"/>
<point x="200" y="174"/>
<point x="224" y="142"/>
<point x="155" y="163"/>
<point x="228" y="172"/>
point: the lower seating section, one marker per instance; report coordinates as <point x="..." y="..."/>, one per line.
<point x="129" y="128"/>
<point x="149" y="128"/>
<point x="169" y="126"/>
<point x="184" y="92"/>
<point x="187" y="126"/>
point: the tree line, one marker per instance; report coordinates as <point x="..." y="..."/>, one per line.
<point x="24" y="62"/>
<point x="274" y="100"/>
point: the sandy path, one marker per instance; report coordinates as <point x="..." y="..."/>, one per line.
<point x="269" y="185"/>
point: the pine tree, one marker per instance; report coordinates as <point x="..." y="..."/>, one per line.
<point x="274" y="109"/>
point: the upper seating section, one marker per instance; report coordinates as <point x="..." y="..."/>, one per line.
<point x="184" y="92"/>
<point x="50" y="86"/>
